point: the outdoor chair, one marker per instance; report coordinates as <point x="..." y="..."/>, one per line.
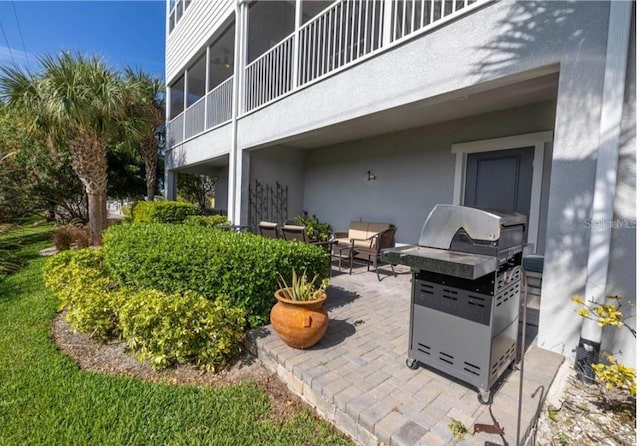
<point x="269" y="229"/>
<point x="299" y="233"/>
<point x="369" y="248"/>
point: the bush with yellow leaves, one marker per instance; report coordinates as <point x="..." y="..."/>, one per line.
<point x="612" y="374"/>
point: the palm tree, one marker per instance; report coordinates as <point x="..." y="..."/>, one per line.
<point x="146" y="108"/>
<point x="79" y="103"/>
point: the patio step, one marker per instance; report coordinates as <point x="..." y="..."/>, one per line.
<point x="356" y="376"/>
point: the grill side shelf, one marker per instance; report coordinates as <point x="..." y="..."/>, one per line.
<point x="451" y="263"/>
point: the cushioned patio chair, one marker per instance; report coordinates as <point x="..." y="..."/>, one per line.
<point x="269" y="229"/>
<point x="299" y="233"/>
<point x="369" y="249"/>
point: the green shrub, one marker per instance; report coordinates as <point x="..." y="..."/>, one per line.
<point x="210" y="221"/>
<point x="162" y="211"/>
<point x="182" y="327"/>
<point x="316" y="229"/>
<point x="177" y="258"/>
<point x="92" y="299"/>
<point x="164" y="328"/>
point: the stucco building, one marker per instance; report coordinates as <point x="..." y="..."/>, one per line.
<point x="378" y="110"/>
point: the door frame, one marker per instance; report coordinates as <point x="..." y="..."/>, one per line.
<point x="536" y="140"/>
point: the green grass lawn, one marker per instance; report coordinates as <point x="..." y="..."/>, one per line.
<point x="46" y="400"/>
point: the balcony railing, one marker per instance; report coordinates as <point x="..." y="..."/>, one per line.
<point x="219" y="102"/>
<point x="345" y="33"/>
<point x="175" y="130"/>
<point x="269" y="76"/>
<point x="209" y="111"/>
<point x="194" y="118"/>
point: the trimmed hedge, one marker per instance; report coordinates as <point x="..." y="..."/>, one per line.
<point x="162" y="211"/>
<point x="209" y="221"/>
<point x="163" y="328"/>
<point x="178" y="258"/>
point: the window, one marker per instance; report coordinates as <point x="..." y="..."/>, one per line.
<point x="221" y="58"/>
<point x="177" y="8"/>
<point x="177" y="98"/>
<point x="310" y="9"/>
<point x="196" y="78"/>
<point x="269" y="23"/>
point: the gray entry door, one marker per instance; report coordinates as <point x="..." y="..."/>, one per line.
<point x="500" y="179"/>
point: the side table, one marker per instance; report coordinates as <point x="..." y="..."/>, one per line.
<point x="342" y="251"/>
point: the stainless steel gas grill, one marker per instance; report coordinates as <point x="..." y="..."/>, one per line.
<point x="465" y="292"/>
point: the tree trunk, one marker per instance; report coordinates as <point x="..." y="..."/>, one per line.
<point x="103" y="209"/>
<point x="148" y="150"/>
<point x="150" y="176"/>
<point x="89" y="162"/>
<point x="97" y="216"/>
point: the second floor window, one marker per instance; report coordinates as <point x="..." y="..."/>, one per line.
<point x="177" y="9"/>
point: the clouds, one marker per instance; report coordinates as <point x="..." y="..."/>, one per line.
<point x="21" y="58"/>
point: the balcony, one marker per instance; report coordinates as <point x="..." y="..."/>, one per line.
<point x="345" y="33"/>
<point x="207" y="113"/>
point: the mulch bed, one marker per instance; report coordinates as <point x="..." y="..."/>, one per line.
<point x="585" y="418"/>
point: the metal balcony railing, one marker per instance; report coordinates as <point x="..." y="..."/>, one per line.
<point x="175" y="130"/>
<point x="194" y="118"/>
<point x="269" y="76"/>
<point x="219" y="103"/>
<point x="345" y="33"/>
<point x="209" y="111"/>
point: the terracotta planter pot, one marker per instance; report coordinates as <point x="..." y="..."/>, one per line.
<point x="300" y="324"/>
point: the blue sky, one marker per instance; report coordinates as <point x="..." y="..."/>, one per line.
<point x="122" y="32"/>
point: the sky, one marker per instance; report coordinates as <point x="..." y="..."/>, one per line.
<point x="123" y="33"/>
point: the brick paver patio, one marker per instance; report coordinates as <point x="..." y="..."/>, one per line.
<point x="356" y="376"/>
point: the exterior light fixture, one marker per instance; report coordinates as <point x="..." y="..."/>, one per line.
<point x="370" y="176"/>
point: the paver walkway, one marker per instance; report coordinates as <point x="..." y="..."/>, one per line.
<point x="356" y="376"/>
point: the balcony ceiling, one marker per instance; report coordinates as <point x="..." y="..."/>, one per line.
<point x="455" y="105"/>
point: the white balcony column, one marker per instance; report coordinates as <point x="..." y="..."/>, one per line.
<point x="296" y="46"/>
<point x="235" y="157"/>
<point x="241" y="56"/>
<point x="206" y="84"/>
<point x="170" y="190"/>
<point x="387" y="19"/>
<point x="607" y="162"/>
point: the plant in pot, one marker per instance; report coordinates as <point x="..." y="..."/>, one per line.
<point x="299" y="317"/>
<point x="317" y="230"/>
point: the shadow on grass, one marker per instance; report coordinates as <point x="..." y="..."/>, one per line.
<point x="8" y="290"/>
<point x="19" y="246"/>
<point x="18" y="238"/>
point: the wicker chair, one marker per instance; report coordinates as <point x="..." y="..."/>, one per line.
<point x="370" y="251"/>
<point x="299" y="233"/>
<point x="269" y="230"/>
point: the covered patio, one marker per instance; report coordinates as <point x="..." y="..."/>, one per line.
<point x="356" y="376"/>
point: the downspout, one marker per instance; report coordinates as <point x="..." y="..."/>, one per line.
<point x="605" y="180"/>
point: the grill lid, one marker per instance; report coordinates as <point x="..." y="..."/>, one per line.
<point x="445" y="220"/>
